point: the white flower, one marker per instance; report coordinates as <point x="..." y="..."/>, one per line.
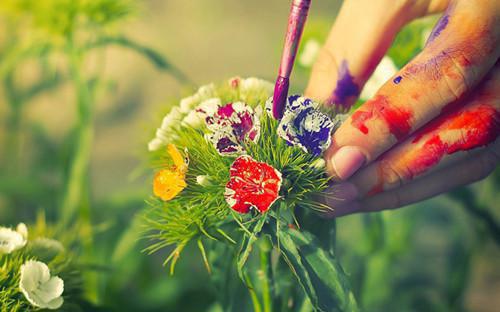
<point x="11" y="240"/>
<point x="178" y="114"/>
<point x="204" y="92"/>
<point x="318" y="164"/>
<point x="162" y="135"/>
<point x="171" y="118"/>
<point x="39" y="288"/>
<point x="309" y="53"/>
<point x="384" y="71"/>
<point x="155" y="144"/>
<point x="253" y="84"/>
<point x="203" y="180"/>
<point x="207" y="108"/>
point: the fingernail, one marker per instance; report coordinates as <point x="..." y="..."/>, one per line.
<point x="346" y="161"/>
<point x="345" y="209"/>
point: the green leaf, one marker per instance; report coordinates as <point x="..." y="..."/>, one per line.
<point x="246" y="247"/>
<point x="318" y="272"/>
<point x="231" y="293"/>
<point x="152" y="55"/>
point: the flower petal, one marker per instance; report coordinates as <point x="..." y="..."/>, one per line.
<point x="304" y="125"/>
<point x="55" y="304"/>
<point x="167" y="184"/>
<point x="231" y="125"/>
<point x="252" y="184"/>
<point x="10" y="240"/>
<point x="52" y="289"/>
<point x="39" y="288"/>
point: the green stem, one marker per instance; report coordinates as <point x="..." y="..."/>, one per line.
<point x="75" y="199"/>
<point x="81" y="157"/>
<point x="265" y="268"/>
<point x="253" y="295"/>
<point x="13" y="125"/>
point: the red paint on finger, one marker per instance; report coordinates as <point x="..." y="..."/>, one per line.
<point x="397" y="119"/>
<point x="460" y="131"/>
<point x="359" y="119"/>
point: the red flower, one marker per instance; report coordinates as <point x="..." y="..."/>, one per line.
<point x="252" y="184"/>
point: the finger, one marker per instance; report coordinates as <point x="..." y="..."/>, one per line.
<point x="357" y="42"/>
<point x="476" y="167"/>
<point x="446" y="139"/>
<point x="458" y="56"/>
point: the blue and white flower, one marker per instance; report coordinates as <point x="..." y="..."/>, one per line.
<point x="304" y="125"/>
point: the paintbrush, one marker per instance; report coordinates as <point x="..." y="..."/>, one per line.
<point x="296" y="22"/>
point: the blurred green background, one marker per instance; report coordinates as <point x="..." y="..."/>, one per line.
<point x="105" y="68"/>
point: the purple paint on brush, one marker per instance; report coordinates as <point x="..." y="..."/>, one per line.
<point x="397" y="80"/>
<point x="279" y="96"/>
<point x="440" y="26"/>
<point x="346" y="87"/>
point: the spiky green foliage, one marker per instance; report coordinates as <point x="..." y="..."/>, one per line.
<point x="202" y="210"/>
<point x="59" y="257"/>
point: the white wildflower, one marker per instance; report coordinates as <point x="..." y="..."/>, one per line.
<point x="155" y="144"/>
<point x="384" y="71"/>
<point x="11" y="240"/>
<point x="206" y="108"/>
<point x="253" y="84"/>
<point x="40" y="288"/>
<point x="309" y="53"/>
<point x="318" y="164"/>
<point x="204" y="92"/>
<point x="203" y="180"/>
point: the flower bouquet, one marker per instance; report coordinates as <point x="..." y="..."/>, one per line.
<point x="233" y="180"/>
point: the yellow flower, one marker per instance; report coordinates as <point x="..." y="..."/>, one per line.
<point x="170" y="182"/>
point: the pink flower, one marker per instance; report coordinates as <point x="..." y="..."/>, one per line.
<point x="252" y="184"/>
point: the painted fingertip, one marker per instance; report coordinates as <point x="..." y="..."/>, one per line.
<point x="346" y="161"/>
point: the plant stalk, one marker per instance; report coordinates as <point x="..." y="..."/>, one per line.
<point x="79" y="165"/>
<point x="265" y="268"/>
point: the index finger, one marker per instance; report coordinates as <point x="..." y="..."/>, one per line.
<point x="462" y="48"/>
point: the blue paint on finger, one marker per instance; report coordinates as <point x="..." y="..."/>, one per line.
<point x="440" y="26"/>
<point x="346" y="87"/>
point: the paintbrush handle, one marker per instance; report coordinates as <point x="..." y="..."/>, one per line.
<point x="296" y="22"/>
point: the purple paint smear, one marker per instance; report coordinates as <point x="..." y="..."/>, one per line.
<point x="279" y="97"/>
<point x="440" y="26"/>
<point x="346" y="87"/>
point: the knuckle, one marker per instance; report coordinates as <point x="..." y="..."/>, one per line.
<point x="455" y="75"/>
<point x="392" y="176"/>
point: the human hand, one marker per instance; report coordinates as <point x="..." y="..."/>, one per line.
<point x="430" y="128"/>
